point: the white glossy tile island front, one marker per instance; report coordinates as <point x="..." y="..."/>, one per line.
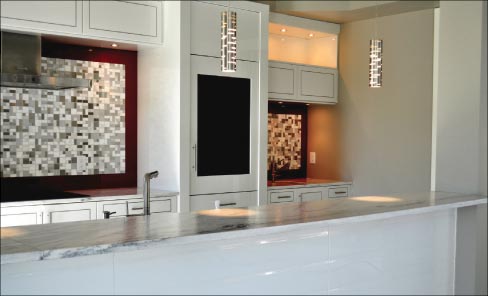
<point x="260" y="245"/>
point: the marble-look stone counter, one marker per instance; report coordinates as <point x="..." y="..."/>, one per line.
<point x="67" y="240"/>
<point x="304" y="183"/>
<point x="93" y="195"/>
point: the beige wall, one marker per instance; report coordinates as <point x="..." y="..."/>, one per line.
<point x="324" y="139"/>
<point x="388" y="130"/>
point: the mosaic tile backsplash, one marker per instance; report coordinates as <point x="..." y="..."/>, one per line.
<point x="65" y="132"/>
<point x="285" y="140"/>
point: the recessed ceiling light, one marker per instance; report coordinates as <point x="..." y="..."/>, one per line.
<point x="114" y="45"/>
<point x="310" y="35"/>
<point x="283" y="30"/>
<point x="333" y="38"/>
<point x="283" y="39"/>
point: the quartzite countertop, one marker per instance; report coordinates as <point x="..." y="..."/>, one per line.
<point x="66" y="240"/>
<point x="93" y="195"/>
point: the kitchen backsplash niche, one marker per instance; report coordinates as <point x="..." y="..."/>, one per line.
<point x="65" y="132"/>
<point x="285" y="140"/>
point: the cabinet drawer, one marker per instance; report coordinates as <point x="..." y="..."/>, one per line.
<point x="161" y="206"/>
<point x="226" y="200"/>
<point x="135" y="206"/>
<point x="338" y="192"/>
<point x="309" y="196"/>
<point x="283" y="196"/>
<point x="138" y="21"/>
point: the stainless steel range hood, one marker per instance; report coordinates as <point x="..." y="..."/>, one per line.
<point x="21" y="65"/>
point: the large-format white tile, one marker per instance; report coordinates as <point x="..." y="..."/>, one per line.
<point x="88" y="275"/>
<point x="403" y="255"/>
<point x="287" y="263"/>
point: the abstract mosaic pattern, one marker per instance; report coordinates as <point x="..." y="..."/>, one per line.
<point x="65" y="132"/>
<point x="285" y="140"/>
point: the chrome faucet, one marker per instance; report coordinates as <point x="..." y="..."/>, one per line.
<point x="147" y="191"/>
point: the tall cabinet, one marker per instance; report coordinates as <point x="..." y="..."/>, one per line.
<point x="225" y="108"/>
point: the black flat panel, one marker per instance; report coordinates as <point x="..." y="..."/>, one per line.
<point x="223" y="131"/>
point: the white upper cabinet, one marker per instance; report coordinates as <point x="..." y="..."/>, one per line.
<point x="316" y="84"/>
<point x="138" y="21"/>
<point x="282" y="81"/>
<point x="55" y="16"/>
<point x="299" y="83"/>
<point x="129" y="21"/>
<point x="205" y="31"/>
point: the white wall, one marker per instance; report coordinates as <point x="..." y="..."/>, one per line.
<point x="458" y="104"/>
<point x="483" y="109"/>
<point x="159" y="105"/>
<point x="461" y="109"/>
<point x="388" y="129"/>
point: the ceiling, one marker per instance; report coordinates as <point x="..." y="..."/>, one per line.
<point x="346" y="11"/>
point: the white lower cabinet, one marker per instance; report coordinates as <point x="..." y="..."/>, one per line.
<point x="310" y="194"/>
<point x="301" y="194"/>
<point x="224" y="200"/>
<point x="18" y="216"/>
<point x="119" y="208"/>
<point x="82" y="211"/>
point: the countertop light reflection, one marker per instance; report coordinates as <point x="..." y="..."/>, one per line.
<point x="228" y="213"/>
<point x="376" y="198"/>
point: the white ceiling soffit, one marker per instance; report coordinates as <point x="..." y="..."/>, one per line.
<point x="346" y="11"/>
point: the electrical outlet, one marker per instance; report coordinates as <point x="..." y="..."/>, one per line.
<point x="312" y="157"/>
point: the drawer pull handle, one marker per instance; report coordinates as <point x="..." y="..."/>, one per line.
<point x="284" y="196"/>
<point x="340" y="192"/>
<point x="228" y="204"/>
<point x="135" y="209"/>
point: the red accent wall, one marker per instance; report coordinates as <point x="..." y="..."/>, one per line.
<point x="129" y="178"/>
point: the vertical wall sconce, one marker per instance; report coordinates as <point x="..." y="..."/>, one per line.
<point x="228" y="42"/>
<point x="375" y="56"/>
<point x="375" y="62"/>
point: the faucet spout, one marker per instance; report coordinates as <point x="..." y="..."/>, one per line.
<point x="147" y="191"/>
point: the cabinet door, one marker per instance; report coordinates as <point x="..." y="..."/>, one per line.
<point x="137" y="21"/>
<point x="206" y="30"/>
<point x="282" y="81"/>
<point x="226" y="200"/>
<point x="317" y="85"/>
<point x="18" y="216"/>
<point x="55" y="16"/>
<point x="70" y="212"/>
<point x="309" y="194"/>
<point x="224" y="132"/>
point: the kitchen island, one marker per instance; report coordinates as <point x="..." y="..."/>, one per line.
<point x="402" y="243"/>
